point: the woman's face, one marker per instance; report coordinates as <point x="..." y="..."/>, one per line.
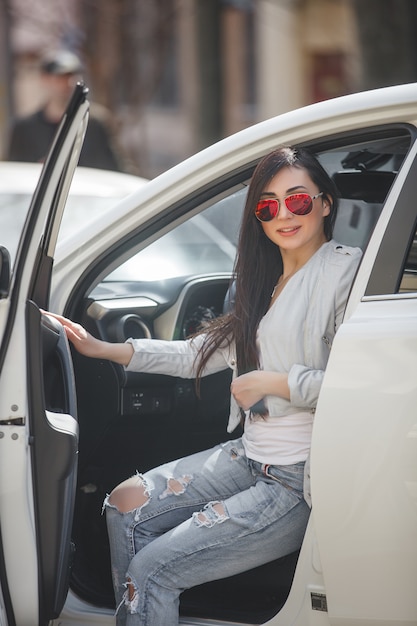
<point x="289" y="231"/>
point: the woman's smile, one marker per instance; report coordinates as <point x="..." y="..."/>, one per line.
<point x="288" y="231"/>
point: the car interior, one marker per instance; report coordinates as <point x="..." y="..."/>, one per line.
<point x="130" y="422"/>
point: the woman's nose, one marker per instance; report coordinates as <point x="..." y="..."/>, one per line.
<point x="283" y="212"/>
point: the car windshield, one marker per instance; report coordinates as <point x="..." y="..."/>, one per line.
<point x="204" y="244"/>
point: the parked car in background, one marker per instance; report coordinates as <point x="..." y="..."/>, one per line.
<point x="159" y="263"/>
<point x="92" y="193"/>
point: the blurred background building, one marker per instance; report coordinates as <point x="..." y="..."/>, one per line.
<point x="178" y="75"/>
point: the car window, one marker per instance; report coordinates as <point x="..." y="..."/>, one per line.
<point x="364" y="170"/>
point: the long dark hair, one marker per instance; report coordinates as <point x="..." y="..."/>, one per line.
<point x="258" y="262"/>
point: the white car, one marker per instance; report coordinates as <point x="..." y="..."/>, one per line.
<point x="92" y="193"/>
<point x="158" y="264"/>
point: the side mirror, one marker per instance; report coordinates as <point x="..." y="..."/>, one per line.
<point x="4" y="271"/>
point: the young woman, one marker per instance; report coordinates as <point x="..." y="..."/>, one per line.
<point x="240" y="504"/>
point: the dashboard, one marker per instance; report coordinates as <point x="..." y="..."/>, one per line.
<point x="169" y="309"/>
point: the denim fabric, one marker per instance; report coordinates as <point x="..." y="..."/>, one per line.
<point x="208" y="516"/>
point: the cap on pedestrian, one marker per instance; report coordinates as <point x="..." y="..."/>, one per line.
<point x="62" y="62"/>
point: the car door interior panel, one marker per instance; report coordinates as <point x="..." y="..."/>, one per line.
<point x="54" y="445"/>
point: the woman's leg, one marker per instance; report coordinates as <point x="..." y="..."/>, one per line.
<point x="259" y="524"/>
<point x="143" y="508"/>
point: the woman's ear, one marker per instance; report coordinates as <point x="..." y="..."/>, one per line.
<point x="327" y="205"/>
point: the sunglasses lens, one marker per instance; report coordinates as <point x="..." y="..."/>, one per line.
<point x="299" y="203"/>
<point x="266" y="210"/>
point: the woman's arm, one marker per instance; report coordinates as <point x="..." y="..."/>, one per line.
<point x="90" y="346"/>
<point x="154" y="356"/>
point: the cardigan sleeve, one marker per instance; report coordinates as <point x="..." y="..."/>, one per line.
<point x="174" y="358"/>
<point x="305" y="382"/>
<point x="345" y="280"/>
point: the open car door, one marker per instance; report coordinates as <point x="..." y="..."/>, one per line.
<point x="38" y="420"/>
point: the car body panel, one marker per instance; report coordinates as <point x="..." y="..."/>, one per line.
<point x="363" y="468"/>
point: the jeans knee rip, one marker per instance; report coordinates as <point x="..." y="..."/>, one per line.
<point x="213" y="513"/>
<point x="136" y="510"/>
<point x="176" y="486"/>
<point x="130" y="597"/>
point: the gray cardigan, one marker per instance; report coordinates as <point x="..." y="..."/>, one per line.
<point x="316" y="295"/>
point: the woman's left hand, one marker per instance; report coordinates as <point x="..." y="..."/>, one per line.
<point x="247" y="389"/>
<point x="250" y="388"/>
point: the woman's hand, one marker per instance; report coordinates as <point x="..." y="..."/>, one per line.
<point x="81" y="339"/>
<point x="92" y="347"/>
<point x="248" y="389"/>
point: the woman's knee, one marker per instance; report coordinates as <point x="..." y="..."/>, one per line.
<point x="129" y="495"/>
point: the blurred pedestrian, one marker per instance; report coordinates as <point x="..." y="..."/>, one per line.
<point x="31" y="136"/>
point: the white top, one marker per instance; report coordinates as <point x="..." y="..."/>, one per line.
<point x="278" y="441"/>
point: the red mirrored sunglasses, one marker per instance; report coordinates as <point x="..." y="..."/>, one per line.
<point x="298" y="203"/>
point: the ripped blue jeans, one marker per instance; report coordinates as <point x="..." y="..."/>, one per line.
<point x="207" y="516"/>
